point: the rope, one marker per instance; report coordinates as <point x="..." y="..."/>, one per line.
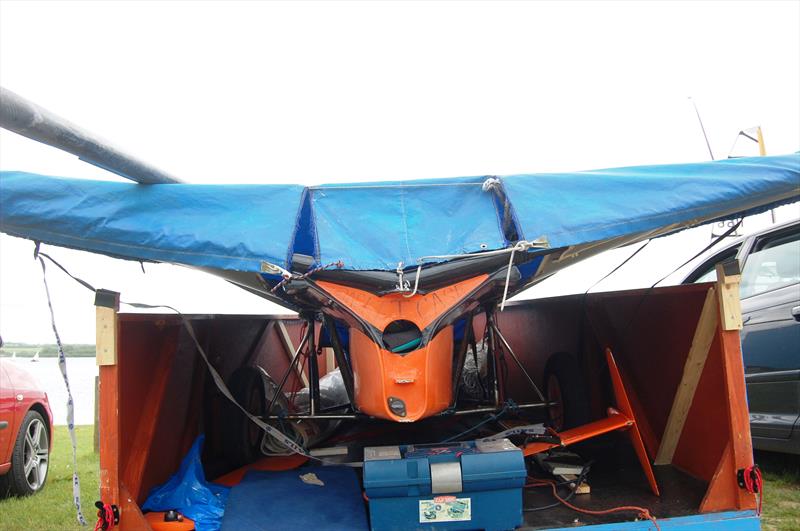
<point x="287" y="276"/>
<point x="520" y="246"/>
<point x="618" y="267"/>
<point x="105" y="517"/>
<point x="659" y="281"/>
<point x="754" y="484"/>
<point x="572" y="484"/>
<point x="62" y="364"/>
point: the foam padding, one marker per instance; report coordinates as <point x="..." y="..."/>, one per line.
<point x="281" y="500"/>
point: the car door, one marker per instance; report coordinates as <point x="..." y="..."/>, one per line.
<point x="770" y="294"/>
<point x="7" y="405"/>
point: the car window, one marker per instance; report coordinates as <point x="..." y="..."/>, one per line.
<point x="774" y="264"/>
<point x="708" y="272"/>
<point x="708" y="276"/>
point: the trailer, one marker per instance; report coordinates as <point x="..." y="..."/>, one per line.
<point x="677" y="349"/>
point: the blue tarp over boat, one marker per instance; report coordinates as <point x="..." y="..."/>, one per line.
<point x="375" y="226"/>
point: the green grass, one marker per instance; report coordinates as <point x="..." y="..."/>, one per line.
<point x="781" y="492"/>
<point x="52" y="508"/>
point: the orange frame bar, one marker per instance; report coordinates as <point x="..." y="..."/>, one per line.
<point x="622" y="419"/>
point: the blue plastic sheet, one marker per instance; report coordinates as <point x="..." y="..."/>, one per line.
<point x="223" y="226"/>
<point x="190" y="493"/>
<point x="377" y="225"/>
<point x="588" y="206"/>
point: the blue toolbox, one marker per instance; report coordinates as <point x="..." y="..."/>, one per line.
<point x="469" y="485"/>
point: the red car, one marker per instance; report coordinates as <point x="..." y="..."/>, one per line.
<point x="26" y="427"/>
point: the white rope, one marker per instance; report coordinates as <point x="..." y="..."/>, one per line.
<point x="490" y="184"/>
<point x="508" y="279"/>
<point x="520" y="246"/>
<point x="62" y="365"/>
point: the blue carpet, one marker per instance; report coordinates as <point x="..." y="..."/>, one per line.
<point x="282" y="501"/>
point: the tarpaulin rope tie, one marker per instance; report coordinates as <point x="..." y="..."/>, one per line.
<point x="287" y="276"/>
<point x="62" y="364"/>
<point x="520" y="246"/>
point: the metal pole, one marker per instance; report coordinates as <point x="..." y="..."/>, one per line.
<point x="535" y="405"/>
<point x="286" y="374"/>
<point x="32" y="121"/>
<point x="516" y="360"/>
<point x="702" y="128"/>
<point x="491" y="350"/>
<point x="313" y="369"/>
<point x="341" y="359"/>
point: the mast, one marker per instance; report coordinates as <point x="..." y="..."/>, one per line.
<point x="32" y="121"/>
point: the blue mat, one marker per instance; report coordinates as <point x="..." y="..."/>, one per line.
<point x="281" y="500"/>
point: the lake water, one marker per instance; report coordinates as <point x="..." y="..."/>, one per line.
<point x="81" y="372"/>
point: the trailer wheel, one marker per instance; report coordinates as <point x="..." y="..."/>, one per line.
<point x="565" y="385"/>
<point x="242" y="440"/>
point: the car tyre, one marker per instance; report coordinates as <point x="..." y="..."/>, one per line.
<point x="30" y="458"/>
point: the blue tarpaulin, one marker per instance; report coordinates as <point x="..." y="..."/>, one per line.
<point x="224" y="226"/>
<point x="377" y="225"/>
<point x="188" y="492"/>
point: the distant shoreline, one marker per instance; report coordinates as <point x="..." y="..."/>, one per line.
<point x="28" y="350"/>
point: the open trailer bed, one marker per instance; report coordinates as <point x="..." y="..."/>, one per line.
<point x="156" y="397"/>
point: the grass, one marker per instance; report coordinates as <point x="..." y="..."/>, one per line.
<point x="28" y="350"/>
<point x="781" y="492"/>
<point x="52" y="508"/>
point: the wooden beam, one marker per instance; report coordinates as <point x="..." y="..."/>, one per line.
<point x="692" y="370"/>
<point x="107" y="305"/>
<point x="721" y="494"/>
<point x="288" y="346"/>
<point x="109" y="434"/>
<point x="739" y="417"/>
<point x="730" y="306"/>
<point x="97" y="414"/>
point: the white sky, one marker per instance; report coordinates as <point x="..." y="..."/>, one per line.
<point x="318" y="92"/>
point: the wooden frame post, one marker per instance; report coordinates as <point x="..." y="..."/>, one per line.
<point x="730" y="306"/>
<point x="723" y="490"/>
<point x="107" y="304"/>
